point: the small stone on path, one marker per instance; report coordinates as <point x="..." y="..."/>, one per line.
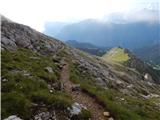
<point x="106" y="114"/>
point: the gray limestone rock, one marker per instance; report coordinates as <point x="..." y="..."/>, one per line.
<point x="13" y="117"/>
<point x="49" y="69"/>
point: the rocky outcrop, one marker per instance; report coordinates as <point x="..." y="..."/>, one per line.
<point x="15" y="35"/>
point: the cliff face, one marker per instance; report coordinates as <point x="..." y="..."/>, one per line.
<point x="95" y="76"/>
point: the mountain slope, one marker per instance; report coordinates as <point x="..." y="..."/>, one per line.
<point x="128" y="59"/>
<point x="116" y="55"/>
<point x="150" y="54"/>
<point x="31" y="68"/>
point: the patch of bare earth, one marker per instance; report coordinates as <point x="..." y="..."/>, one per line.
<point x="82" y="98"/>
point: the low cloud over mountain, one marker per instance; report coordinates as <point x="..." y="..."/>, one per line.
<point x="132" y="30"/>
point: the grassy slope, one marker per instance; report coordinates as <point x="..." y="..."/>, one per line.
<point x="131" y="108"/>
<point x="19" y="92"/>
<point x="116" y="55"/>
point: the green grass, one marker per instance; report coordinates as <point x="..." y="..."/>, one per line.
<point x="15" y="104"/>
<point x="107" y="97"/>
<point x="116" y="55"/>
<point x="19" y="92"/>
<point x="22" y="60"/>
<point x="85" y="114"/>
<point x="133" y="109"/>
<point x="57" y="99"/>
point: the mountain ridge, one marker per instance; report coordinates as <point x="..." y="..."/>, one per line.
<point x="130" y="35"/>
<point x="130" y="60"/>
<point x="87" y="47"/>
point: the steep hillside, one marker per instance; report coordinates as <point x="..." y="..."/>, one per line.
<point x="42" y="78"/>
<point x="150" y="54"/>
<point x="128" y="59"/>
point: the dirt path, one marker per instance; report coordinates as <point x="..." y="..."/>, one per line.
<point x="82" y="98"/>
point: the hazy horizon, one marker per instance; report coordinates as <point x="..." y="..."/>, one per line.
<point x="36" y="13"/>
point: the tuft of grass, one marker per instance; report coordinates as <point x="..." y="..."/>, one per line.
<point x="59" y="100"/>
<point x="85" y="114"/>
<point x="15" y="104"/>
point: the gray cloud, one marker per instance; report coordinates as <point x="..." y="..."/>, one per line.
<point x="143" y="15"/>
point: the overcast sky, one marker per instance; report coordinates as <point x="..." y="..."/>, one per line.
<point x="36" y="12"/>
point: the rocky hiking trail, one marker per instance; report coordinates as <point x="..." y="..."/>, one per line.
<point x="82" y="98"/>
